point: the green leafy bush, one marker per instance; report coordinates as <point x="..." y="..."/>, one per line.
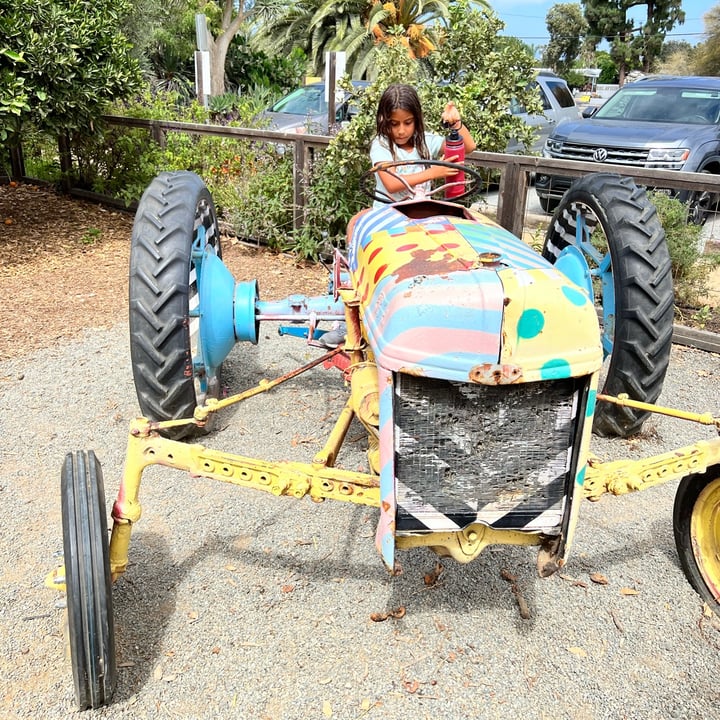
<point x="263" y="209"/>
<point x="690" y="267"/>
<point x="473" y="67"/>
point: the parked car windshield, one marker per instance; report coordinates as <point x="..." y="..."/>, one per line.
<point x="308" y="100"/>
<point x="666" y="104"/>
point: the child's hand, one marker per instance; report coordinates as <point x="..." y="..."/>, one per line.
<point x="440" y="172"/>
<point x="450" y="115"/>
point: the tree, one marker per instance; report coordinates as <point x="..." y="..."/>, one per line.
<point x="227" y="17"/>
<point x="608" y="68"/>
<point x="61" y="64"/>
<point x="677" y="57"/>
<point x="413" y="22"/>
<point x="707" y="53"/>
<point x="484" y="73"/>
<point x="320" y="26"/>
<point x="662" y="16"/>
<point x="567" y="26"/>
<point x="13" y="97"/>
<point x="608" y="19"/>
<point x="162" y="34"/>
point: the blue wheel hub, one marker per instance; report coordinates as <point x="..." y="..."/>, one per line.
<point x="226" y="309"/>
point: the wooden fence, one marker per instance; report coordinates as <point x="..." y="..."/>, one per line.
<point x="514" y="170"/>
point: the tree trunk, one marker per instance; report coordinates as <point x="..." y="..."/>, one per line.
<point x="219" y="46"/>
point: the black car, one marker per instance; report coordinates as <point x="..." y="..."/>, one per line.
<point x="663" y="122"/>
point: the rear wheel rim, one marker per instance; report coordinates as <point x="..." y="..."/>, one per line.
<point x="206" y="379"/>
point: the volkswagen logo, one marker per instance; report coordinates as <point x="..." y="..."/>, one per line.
<point x="600" y="155"/>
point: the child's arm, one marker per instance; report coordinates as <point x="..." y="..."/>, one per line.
<point x="393" y="183"/>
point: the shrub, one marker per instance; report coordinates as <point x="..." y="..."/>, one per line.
<point x="260" y="205"/>
<point x="690" y="268"/>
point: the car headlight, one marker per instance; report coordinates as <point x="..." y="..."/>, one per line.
<point x="552" y="146"/>
<point x="668" y="155"/>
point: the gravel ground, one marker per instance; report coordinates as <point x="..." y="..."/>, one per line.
<point x="238" y="604"/>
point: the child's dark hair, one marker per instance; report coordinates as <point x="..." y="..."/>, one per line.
<point x="402" y="97"/>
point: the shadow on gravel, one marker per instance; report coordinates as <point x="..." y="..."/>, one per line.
<point x="143" y="602"/>
<point x="644" y="546"/>
<point x="145" y="597"/>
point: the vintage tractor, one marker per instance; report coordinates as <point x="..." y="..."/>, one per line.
<point x="477" y="366"/>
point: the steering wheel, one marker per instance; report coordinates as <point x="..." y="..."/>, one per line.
<point x="368" y="186"/>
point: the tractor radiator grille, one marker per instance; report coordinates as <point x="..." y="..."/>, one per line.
<point x="501" y="455"/>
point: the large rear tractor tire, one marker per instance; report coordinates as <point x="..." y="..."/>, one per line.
<point x="176" y="217"/>
<point x="696" y="524"/>
<point x="614" y="224"/>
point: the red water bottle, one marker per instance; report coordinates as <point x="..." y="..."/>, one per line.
<point x="455" y="145"/>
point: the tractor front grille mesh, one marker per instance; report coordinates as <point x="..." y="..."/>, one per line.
<point x="497" y="454"/>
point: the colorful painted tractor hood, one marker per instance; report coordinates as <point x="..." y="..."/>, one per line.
<point x="448" y="297"/>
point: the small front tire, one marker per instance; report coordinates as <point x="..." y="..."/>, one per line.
<point x="91" y="630"/>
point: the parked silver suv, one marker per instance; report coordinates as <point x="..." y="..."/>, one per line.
<point x="663" y="122"/>
<point x="558" y="106"/>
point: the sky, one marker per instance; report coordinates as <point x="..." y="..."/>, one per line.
<point x="525" y="19"/>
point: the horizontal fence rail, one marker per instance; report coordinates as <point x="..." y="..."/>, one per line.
<point x="514" y="170"/>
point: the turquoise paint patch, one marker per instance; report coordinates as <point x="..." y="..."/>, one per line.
<point x="555" y="369"/>
<point x="581" y="476"/>
<point x="530" y="324"/>
<point x="575" y="296"/>
<point x="591" y="403"/>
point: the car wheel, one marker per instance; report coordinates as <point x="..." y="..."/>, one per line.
<point x="696" y="525"/>
<point x="616" y="227"/>
<point x="702" y="205"/>
<point x="175" y="219"/>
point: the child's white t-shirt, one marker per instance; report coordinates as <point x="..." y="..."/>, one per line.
<point x="380" y="152"/>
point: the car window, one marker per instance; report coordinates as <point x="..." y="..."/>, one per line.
<point x="303" y="101"/>
<point x="517" y="108"/>
<point x="547" y="105"/>
<point x="561" y="93"/>
<point x="677" y="105"/>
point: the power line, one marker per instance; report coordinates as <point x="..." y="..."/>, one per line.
<point x="602" y="37"/>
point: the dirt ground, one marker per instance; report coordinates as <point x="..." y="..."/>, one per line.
<point x="66" y="268"/>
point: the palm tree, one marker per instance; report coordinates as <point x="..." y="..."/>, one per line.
<point x="319" y="26"/>
<point x="412" y="22"/>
